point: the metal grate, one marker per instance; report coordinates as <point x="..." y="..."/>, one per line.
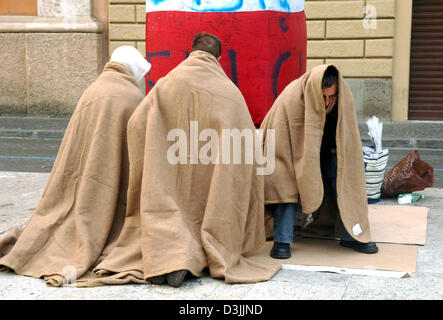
<point x="426" y="73"/>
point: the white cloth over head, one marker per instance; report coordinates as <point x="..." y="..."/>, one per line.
<point x="133" y="60"/>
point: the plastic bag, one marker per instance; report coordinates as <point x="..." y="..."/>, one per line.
<point x="375" y="161"/>
<point x="408" y="175"/>
<point x="375" y="132"/>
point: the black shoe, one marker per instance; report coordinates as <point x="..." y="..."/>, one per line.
<point x="369" y="247"/>
<point x="158" y="279"/>
<point x="281" y="250"/>
<point x="175" y="279"/>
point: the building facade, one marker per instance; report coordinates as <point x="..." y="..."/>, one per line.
<point x="50" y="52"/>
<point x="358" y="36"/>
<point x="390" y="51"/>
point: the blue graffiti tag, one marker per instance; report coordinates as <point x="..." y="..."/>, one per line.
<point x="226" y="6"/>
<point x="165" y="53"/>
<point x="209" y="7"/>
<point x="156" y="2"/>
<point x="276" y="72"/>
<point x="233" y="58"/>
<point x="283" y="26"/>
<point x="284" y="4"/>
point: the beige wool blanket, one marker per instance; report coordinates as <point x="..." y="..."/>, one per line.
<point x="189" y="215"/>
<point x="298" y="118"/>
<point x="81" y="212"/>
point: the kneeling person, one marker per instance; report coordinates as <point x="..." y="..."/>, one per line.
<point x="188" y="211"/>
<point x="82" y="209"/>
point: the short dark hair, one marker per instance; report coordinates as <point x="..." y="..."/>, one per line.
<point x="330" y="77"/>
<point x="207" y="42"/>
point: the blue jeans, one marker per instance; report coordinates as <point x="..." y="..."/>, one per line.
<point x="285" y="213"/>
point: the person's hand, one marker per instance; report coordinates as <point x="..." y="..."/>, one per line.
<point x="330" y="106"/>
<point x="332" y="102"/>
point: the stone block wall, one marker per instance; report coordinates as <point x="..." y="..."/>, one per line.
<point x="44" y="74"/>
<point x="358" y="37"/>
<point x="48" y="60"/>
<point x="343" y="33"/>
<point x="127" y="24"/>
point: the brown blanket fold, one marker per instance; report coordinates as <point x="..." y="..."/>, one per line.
<point x="298" y="118"/>
<point x="82" y="209"/>
<point x="189" y="216"/>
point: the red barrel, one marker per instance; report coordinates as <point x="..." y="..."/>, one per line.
<point x="263" y="42"/>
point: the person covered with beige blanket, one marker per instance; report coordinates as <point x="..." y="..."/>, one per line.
<point x="82" y="209"/>
<point x="188" y="209"/>
<point x="319" y="167"/>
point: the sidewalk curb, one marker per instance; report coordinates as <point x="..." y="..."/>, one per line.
<point x="405" y="135"/>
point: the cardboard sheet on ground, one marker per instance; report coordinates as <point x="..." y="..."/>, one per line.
<point x="394" y="224"/>
<point x="328" y="253"/>
<point x="398" y="224"/>
<point x="398" y="230"/>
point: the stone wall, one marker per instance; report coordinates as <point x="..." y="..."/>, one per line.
<point x="340" y="32"/>
<point x="34" y="81"/>
<point x="358" y="37"/>
<point x="127" y="24"/>
<point x="47" y="61"/>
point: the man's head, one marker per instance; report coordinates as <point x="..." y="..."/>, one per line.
<point x="207" y="42"/>
<point x="329" y="87"/>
